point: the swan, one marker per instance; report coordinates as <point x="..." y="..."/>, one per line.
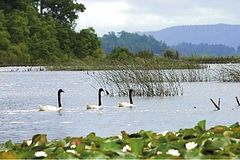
<point x="126" y="104"/>
<point x="94" y="106"/>
<point x="53" y="108"/>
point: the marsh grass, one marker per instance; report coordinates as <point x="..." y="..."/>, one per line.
<point x="228" y="73"/>
<point x="156" y="82"/>
<point x="195" y="75"/>
<point x="111" y="64"/>
<point x="146" y="81"/>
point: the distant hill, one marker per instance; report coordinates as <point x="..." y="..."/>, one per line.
<point x="224" y="34"/>
<point x="133" y="41"/>
<point x="205" y="49"/>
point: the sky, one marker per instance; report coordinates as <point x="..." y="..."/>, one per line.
<point x="152" y="15"/>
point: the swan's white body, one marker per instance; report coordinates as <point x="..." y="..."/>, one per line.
<point x="125" y="104"/>
<point x="49" y="108"/>
<point x="93" y="106"/>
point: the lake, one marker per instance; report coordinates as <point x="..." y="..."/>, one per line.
<point x="22" y="92"/>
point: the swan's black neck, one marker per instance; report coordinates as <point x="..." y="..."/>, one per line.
<point x="99" y="97"/>
<point x="130" y="96"/>
<point x="59" y="99"/>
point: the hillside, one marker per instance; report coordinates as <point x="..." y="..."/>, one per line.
<point x="211" y="34"/>
<point x="204" y="49"/>
<point x="133" y="41"/>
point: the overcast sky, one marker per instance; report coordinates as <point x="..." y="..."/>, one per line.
<point x="151" y="15"/>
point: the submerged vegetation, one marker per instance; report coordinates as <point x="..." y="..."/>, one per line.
<point x="197" y="142"/>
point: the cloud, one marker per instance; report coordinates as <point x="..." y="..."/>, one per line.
<point x="148" y="15"/>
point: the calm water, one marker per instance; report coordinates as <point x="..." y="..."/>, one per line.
<point x="22" y="92"/>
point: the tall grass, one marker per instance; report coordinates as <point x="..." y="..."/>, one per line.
<point x="156" y="82"/>
<point x="195" y="75"/>
<point x="228" y="73"/>
<point x="159" y="81"/>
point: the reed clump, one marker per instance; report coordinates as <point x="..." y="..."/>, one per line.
<point x="228" y="73"/>
<point x="157" y="82"/>
<point x="195" y="75"/>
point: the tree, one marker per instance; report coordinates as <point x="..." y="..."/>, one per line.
<point x="44" y="44"/>
<point x="18" y="27"/>
<point x="86" y="42"/>
<point x="26" y="36"/>
<point x="5" y="37"/>
<point x="10" y="5"/>
<point x="98" y="53"/>
<point x="120" y="54"/>
<point x="65" y="37"/>
<point x="19" y="54"/>
<point x="169" y="53"/>
<point x="65" y="11"/>
<point x="133" y="41"/>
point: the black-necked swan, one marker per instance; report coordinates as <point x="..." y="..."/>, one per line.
<point x="126" y="104"/>
<point x="53" y="108"/>
<point x="94" y="106"/>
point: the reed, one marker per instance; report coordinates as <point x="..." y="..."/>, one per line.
<point x="195" y="75"/>
<point x="228" y="73"/>
<point x="156" y="82"/>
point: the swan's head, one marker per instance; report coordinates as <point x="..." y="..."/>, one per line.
<point x="101" y="90"/>
<point x="60" y="91"/>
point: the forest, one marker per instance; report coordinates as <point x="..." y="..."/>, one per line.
<point x="43" y="32"/>
<point x="133" y="41"/>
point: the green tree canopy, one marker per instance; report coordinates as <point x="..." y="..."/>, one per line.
<point x="172" y="54"/>
<point x="133" y="41"/>
<point x="120" y="54"/>
<point x="65" y="11"/>
<point x="86" y="43"/>
<point x="27" y="36"/>
<point x="5" y="36"/>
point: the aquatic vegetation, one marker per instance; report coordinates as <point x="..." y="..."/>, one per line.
<point x="150" y="82"/>
<point x="162" y="82"/>
<point x="144" y="82"/>
<point x="197" y="142"/>
<point x="195" y="75"/>
<point x="229" y="73"/>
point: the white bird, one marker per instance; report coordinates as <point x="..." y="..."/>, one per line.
<point x="94" y="106"/>
<point x="52" y="108"/>
<point x="126" y="104"/>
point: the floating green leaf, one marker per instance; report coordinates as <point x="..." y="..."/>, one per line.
<point x="217" y="142"/>
<point x="136" y="146"/>
<point x="201" y="126"/>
